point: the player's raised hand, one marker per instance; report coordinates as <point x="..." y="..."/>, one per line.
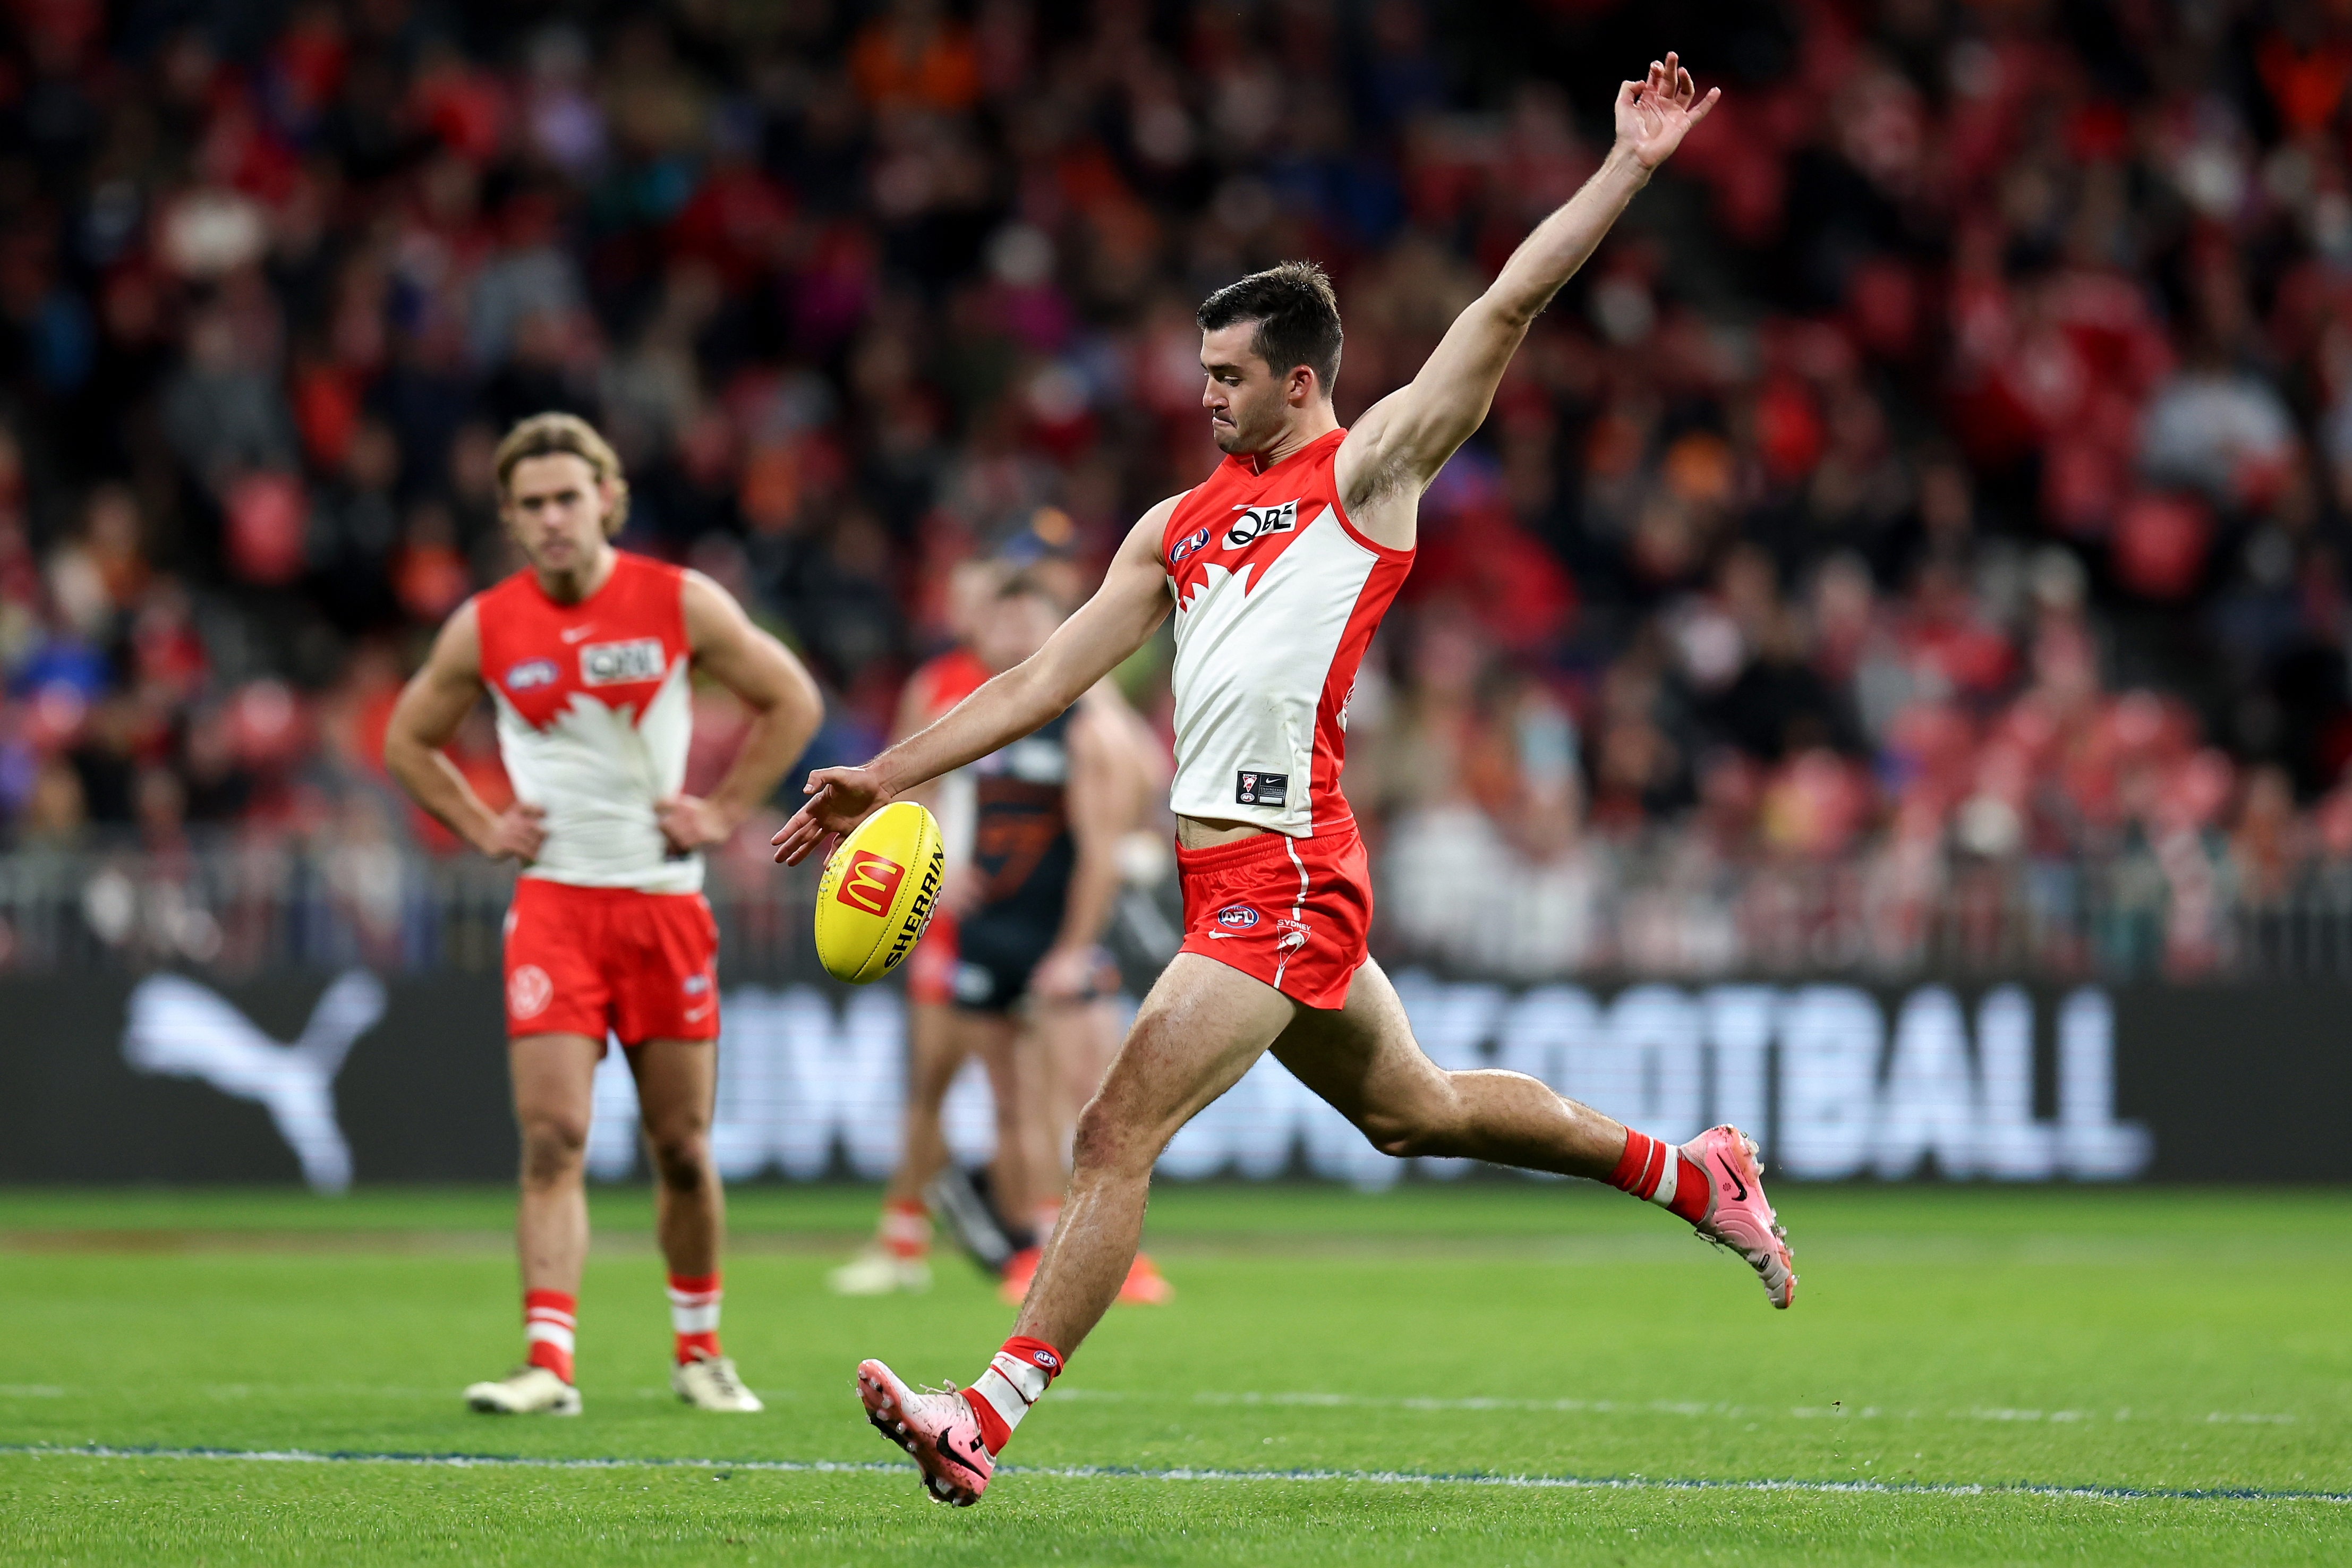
<point x="1654" y="113"/>
<point x="839" y="799"/>
<point x="514" y="833"/>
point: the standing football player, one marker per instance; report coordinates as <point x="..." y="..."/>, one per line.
<point x="1279" y="567"/>
<point x="587" y="654"/>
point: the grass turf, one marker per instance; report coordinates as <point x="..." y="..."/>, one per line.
<point x="2122" y="1339"/>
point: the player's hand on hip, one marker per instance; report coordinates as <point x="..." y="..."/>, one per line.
<point x="1654" y="113"/>
<point x="1067" y="974"/>
<point x="689" y="822"/>
<point x="515" y="834"/>
<point x="839" y="799"/>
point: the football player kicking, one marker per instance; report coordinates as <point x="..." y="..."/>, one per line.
<point x="1279" y="567"/>
<point x="586" y="653"/>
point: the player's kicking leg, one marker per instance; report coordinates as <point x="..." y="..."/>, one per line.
<point x="676" y="1083"/>
<point x="554" y="1077"/>
<point x="1363" y="1059"/>
<point x="1200" y="1030"/>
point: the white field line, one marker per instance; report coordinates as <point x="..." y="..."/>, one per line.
<point x="1661" y="1407"/>
<point x="1127" y="1473"/>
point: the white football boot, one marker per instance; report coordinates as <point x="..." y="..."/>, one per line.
<point x="709" y="1383"/>
<point x="525" y="1391"/>
<point x="877" y="1271"/>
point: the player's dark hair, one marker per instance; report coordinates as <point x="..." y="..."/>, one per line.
<point x="1027" y="585"/>
<point x="1297" y="318"/>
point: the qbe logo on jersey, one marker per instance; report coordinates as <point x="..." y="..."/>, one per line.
<point x="869" y="883"/>
<point x="613" y="663"/>
<point x="1256" y="521"/>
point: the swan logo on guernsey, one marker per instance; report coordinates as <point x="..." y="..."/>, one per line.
<point x="1256" y="521"/>
<point x="611" y="663"/>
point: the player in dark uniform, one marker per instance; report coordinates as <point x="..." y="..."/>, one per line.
<point x="1047" y="811"/>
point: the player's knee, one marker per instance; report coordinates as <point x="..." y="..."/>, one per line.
<point x="552" y="1146"/>
<point x="1426" y="1126"/>
<point x="1105" y="1139"/>
<point x="679" y="1154"/>
<point x="1403" y="1137"/>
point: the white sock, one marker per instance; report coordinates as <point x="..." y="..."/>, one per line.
<point x="1011" y="1386"/>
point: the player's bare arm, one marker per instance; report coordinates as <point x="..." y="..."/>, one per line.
<point x="1122" y="614"/>
<point x="431" y="706"/>
<point x="1098" y="800"/>
<point x="776" y="686"/>
<point x="1396" y="446"/>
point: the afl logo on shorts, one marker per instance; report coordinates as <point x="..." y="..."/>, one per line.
<point x="1186" y="546"/>
<point x="1238" y="917"/>
<point x="531" y="673"/>
<point x="529" y="991"/>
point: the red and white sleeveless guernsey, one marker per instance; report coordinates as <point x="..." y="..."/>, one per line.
<point x="594" y="714"/>
<point x="608" y="929"/>
<point x="1278" y="595"/>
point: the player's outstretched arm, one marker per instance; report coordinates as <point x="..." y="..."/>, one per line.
<point x="785" y="705"/>
<point x="1125" y="611"/>
<point x="1405" y="438"/>
<point x="432" y="705"/>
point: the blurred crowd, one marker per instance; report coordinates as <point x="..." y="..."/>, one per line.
<point x="1949" y="460"/>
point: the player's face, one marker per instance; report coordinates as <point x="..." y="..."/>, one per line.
<point x="1248" y="405"/>
<point x="556" y="506"/>
<point x="1015" y="626"/>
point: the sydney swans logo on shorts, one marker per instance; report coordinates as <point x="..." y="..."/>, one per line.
<point x="1186" y="546"/>
<point x="1237" y="917"/>
<point x="611" y="663"/>
<point x="1256" y="521"/>
<point x="529" y="991"/>
<point x="869" y="882"/>
<point x="531" y="673"/>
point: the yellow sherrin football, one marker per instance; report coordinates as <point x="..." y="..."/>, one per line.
<point x="878" y="892"/>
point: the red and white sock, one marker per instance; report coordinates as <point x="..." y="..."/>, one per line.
<point x="1657" y="1172"/>
<point x="694" y="1314"/>
<point x="1016" y="1378"/>
<point x="906" y="1230"/>
<point x="549" y="1318"/>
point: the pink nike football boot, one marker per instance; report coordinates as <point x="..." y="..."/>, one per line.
<point x="936" y="1428"/>
<point x="1737" y="1217"/>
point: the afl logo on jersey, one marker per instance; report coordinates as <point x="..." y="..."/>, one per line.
<point x="531" y="673"/>
<point x="611" y="663"/>
<point x="1256" y="521"/>
<point x="1237" y="917"/>
<point x="1186" y="546"/>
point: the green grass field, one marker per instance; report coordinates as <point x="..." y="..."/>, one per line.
<point x="1999" y="1376"/>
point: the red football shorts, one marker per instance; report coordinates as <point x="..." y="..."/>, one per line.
<point x="1294" y="913"/>
<point x="581" y="960"/>
<point x="932" y="967"/>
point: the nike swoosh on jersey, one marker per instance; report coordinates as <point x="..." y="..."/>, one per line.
<point x="574" y="634"/>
